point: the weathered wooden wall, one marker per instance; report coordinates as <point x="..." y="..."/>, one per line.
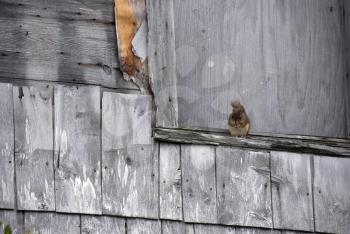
<point x="347" y="57"/>
<point x="283" y="59"/>
<point x="70" y="41"/>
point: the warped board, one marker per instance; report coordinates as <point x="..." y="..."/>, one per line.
<point x="292" y="191"/>
<point x="198" y="184"/>
<point x="332" y="194"/>
<point x="45" y="223"/>
<point x="170" y="196"/>
<point x="77" y="44"/>
<point x="162" y="61"/>
<point x="34" y="147"/>
<point x="282" y="59"/>
<point x="7" y="199"/>
<point x="129" y="158"/>
<point x="14" y="219"/>
<point x="136" y="226"/>
<point x="77" y="149"/>
<point x="102" y="225"/>
<point x="243" y="187"/>
<point x="209" y="229"/>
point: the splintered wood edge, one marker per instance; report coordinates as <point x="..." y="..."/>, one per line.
<point x="289" y="143"/>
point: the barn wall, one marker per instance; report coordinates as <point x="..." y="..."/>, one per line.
<point x="347" y="64"/>
<point x="282" y="59"/>
<point x="98" y="167"/>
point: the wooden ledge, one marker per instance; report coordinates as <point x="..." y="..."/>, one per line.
<point x="290" y="143"/>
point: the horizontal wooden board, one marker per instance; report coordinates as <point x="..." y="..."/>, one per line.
<point x="102" y="225"/>
<point x="7" y="198"/>
<point x="34" y="147"/>
<point x="283" y="60"/>
<point x="299" y="144"/>
<point x="170" y="193"/>
<point x="129" y="157"/>
<point x="243" y="187"/>
<point x="292" y="201"/>
<point x="78" y="149"/>
<point x="43" y="222"/>
<point x="13" y="219"/>
<point x="332" y="194"/>
<point x="198" y="184"/>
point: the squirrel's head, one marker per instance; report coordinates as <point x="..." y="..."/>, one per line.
<point x="237" y="109"/>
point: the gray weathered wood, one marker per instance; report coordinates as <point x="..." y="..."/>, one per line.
<point x="6" y="148"/>
<point x="77" y="149"/>
<point x="243" y="187"/>
<point x="14" y="219"/>
<point x="256" y="231"/>
<point x="130" y="160"/>
<point x="162" y="62"/>
<point x="47" y="223"/>
<point x="102" y="225"/>
<point x="170" y="195"/>
<point x="283" y="59"/>
<point x="291" y="191"/>
<point x="173" y="227"/>
<point x="143" y="226"/>
<point x="347" y="58"/>
<point x="332" y="194"/>
<point x="198" y="184"/>
<point x="209" y="229"/>
<point x="300" y="144"/>
<point x="76" y="44"/>
<point x="34" y="147"/>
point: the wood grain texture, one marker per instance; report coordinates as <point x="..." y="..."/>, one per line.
<point x="7" y="198"/>
<point x="33" y="116"/>
<point x="256" y="231"/>
<point x="209" y="229"/>
<point x="282" y="59"/>
<point x="143" y="226"/>
<point x="45" y="223"/>
<point x="130" y="159"/>
<point x="347" y="59"/>
<point x="77" y="149"/>
<point x="173" y="227"/>
<point x="76" y="44"/>
<point x="292" y="191"/>
<point x="198" y="184"/>
<point x="14" y="219"/>
<point x="332" y="194"/>
<point x="162" y="62"/>
<point x="335" y="147"/>
<point x="102" y="225"/>
<point x="170" y="193"/>
<point x="243" y="187"/>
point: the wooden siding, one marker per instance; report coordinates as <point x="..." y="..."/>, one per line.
<point x="52" y="42"/>
<point x="34" y="147"/>
<point x="347" y="59"/>
<point x="283" y="60"/>
<point x="7" y="198"/>
<point x="78" y="149"/>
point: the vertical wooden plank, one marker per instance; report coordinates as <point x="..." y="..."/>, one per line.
<point x="137" y="226"/>
<point x="170" y="182"/>
<point x="243" y="187"/>
<point x="102" y="225"/>
<point x="291" y="191"/>
<point x="347" y="60"/>
<point x="6" y="147"/>
<point x="199" y="185"/>
<point x="77" y="149"/>
<point x="332" y="194"/>
<point x="209" y="229"/>
<point x="14" y="219"/>
<point x="162" y="62"/>
<point x="130" y="160"/>
<point x="45" y="223"/>
<point x="34" y="147"/>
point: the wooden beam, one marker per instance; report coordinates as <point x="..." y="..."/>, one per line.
<point x="299" y="144"/>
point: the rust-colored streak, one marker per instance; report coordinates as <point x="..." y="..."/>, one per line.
<point x="126" y="25"/>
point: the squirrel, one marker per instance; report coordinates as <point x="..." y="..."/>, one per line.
<point x="238" y="122"/>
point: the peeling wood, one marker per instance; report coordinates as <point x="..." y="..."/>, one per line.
<point x="130" y="17"/>
<point x="299" y="144"/>
<point x="7" y="198"/>
<point x="34" y="147"/>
